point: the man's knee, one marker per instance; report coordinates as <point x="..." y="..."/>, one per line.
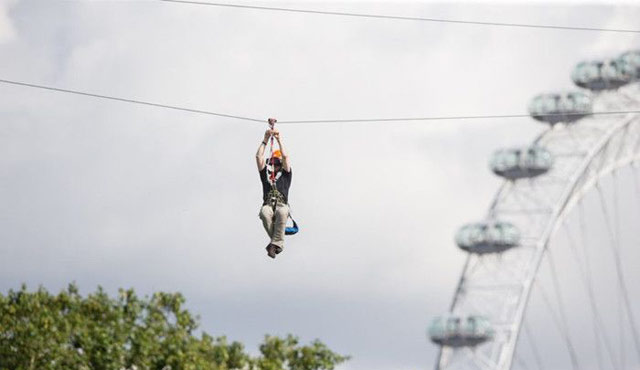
<point x="266" y="212"/>
<point x="282" y="212"/>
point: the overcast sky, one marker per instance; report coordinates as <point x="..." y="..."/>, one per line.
<point x="119" y="195"/>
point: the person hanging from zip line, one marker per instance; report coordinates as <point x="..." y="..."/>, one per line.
<point x="275" y="175"/>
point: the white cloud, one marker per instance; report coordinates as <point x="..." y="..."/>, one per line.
<point x="120" y="195"/>
<point x="7" y="28"/>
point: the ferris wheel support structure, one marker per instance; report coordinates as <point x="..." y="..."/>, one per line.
<point x="585" y="178"/>
<point x="506" y="250"/>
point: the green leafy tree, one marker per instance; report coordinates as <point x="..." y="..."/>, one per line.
<point x="41" y="331"/>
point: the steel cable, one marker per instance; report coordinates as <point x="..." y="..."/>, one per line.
<point x="556" y="284"/>
<point x="225" y="115"/>
<point x="589" y="274"/>
<point x="619" y="272"/>
<point x="397" y="17"/>
<point x="559" y="324"/>
<point x="534" y="347"/>
<point x="127" y="100"/>
<point x="585" y="272"/>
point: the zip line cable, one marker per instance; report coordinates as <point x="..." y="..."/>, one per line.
<point x="402" y="18"/>
<point x="363" y="120"/>
<point x="158" y="105"/>
<point x="432" y="118"/>
<point x="442" y="118"/>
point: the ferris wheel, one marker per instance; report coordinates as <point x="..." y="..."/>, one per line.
<point x="574" y="192"/>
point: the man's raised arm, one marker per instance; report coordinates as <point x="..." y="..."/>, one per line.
<point x="260" y="153"/>
<point x="286" y="164"/>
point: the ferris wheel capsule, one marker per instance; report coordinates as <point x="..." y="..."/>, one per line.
<point x="630" y="62"/>
<point x="601" y="75"/>
<point x="518" y="163"/>
<point x="487" y="237"/>
<point x="564" y="107"/>
<point x="460" y="331"/>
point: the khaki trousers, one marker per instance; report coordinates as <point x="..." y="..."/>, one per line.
<point x="274" y="222"/>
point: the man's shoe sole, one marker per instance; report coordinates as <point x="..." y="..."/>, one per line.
<point x="270" y="251"/>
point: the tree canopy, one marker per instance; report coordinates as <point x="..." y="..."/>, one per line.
<point x="42" y="331"/>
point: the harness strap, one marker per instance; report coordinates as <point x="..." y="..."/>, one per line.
<point x="291" y="230"/>
<point x="274" y="197"/>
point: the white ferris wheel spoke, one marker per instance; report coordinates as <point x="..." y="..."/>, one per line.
<point x="585" y="282"/>
<point x="534" y="347"/>
<point x="619" y="272"/>
<point x="616" y="233"/>
<point x="521" y="362"/>
<point x="636" y="182"/>
<point x="563" y="316"/>
<point x="599" y="327"/>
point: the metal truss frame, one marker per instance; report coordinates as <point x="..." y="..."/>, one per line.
<point x="498" y="286"/>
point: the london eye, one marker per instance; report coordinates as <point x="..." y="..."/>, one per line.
<point x="574" y="193"/>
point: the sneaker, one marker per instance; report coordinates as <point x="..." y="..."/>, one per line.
<point x="277" y="249"/>
<point x="271" y="251"/>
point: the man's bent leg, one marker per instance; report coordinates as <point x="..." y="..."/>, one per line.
<point x="266" y="215"/>
<point x="279" y="224"/>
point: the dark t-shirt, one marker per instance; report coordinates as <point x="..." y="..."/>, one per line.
<point x="282" y="184"/>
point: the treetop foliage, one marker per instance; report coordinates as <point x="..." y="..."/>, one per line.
<point x="41" y="331"/>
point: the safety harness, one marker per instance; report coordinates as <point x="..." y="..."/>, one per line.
<point x="274" y="196"/>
